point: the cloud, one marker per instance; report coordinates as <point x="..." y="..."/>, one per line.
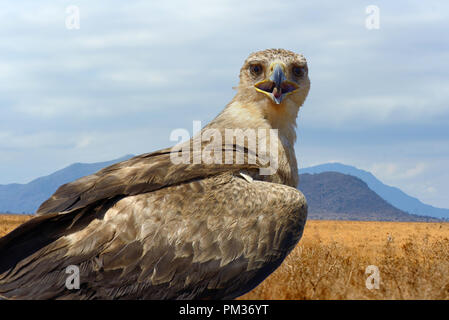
<point x="135" y="71"/>
<point x="397" y="171"/>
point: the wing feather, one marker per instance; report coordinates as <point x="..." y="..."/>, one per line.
<point x="144" y="173"/>
<point x="218" y="243"/>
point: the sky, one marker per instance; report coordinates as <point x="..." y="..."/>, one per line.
<point x="134" y="71"/>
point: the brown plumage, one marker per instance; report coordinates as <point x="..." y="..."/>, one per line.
<point x="148" y="228"/>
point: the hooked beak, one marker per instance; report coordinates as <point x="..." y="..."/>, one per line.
<point x="277" y="87"/>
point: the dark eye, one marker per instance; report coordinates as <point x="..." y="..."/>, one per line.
<point x="298" y="71"/>
<point x="256" y="69"/>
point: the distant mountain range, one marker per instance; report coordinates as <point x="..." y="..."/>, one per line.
<point x="338" y="196"/>
<point x="333" y="191"/>
<point x="26" y="198"/>
<point x="393" y="195"/>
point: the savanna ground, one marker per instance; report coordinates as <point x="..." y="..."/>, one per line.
<point x="331" y="259"/>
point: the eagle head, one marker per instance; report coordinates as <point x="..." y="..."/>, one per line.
<point x="276" y="76"/>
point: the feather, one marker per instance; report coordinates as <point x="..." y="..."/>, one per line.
<point x="149" y="228"/>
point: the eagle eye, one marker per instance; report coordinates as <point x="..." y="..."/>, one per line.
<point x="298" y="71"/>
<point x="256" y="69"/>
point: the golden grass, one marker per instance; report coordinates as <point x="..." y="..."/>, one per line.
<point x="331" y="259"/>
<point x="8" y="222"/>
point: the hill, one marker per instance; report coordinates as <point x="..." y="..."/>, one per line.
<point x="26" y="198"/>
<point x="393" y="195"/>
<point x="330" y="195"/>
<point x="337" y="196"/>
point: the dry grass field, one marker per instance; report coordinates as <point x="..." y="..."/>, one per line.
<point x="10" y="221"/>
<point x="331" y="259"/>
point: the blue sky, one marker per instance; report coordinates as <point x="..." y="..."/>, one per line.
<point x="136" y="70"/>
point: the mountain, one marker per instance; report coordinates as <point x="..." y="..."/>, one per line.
<point x="338" y="196"/>
<point x="393" y="195"/>
<point x="350" y="194"/>
<point x="26" y="198"/>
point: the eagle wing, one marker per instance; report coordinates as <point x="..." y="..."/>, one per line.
<point x="143" y="173"/>
<point x="216" y="237"/>
<point x="76" y="204"/>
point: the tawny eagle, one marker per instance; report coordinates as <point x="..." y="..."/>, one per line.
<point x="150" y="228"/>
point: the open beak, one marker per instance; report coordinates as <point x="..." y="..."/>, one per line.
<point x="277" y="87"/>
